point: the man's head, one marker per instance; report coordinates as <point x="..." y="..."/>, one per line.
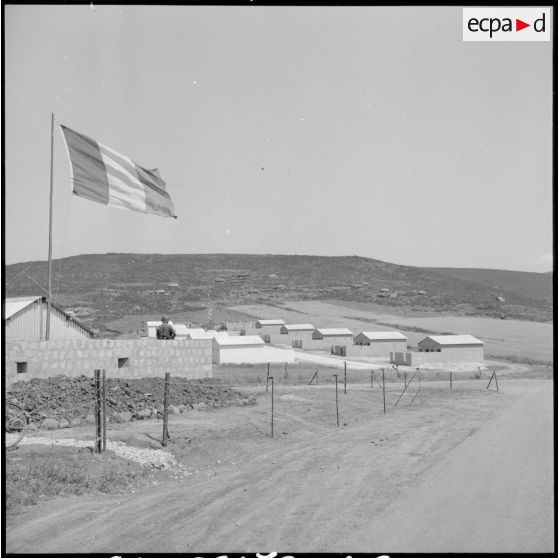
<point x="165" y="319"/>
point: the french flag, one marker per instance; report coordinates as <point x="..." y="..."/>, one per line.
<point x="102" y="175"/>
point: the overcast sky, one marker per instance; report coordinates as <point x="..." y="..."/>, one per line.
<point x="329" y="131"/>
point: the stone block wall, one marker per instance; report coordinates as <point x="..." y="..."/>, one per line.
<point x="121" y="358"/>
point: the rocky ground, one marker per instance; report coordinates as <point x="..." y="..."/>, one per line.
<point x="62" y="401"/>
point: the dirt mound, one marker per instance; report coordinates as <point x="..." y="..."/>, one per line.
<point x="71" y="398"/>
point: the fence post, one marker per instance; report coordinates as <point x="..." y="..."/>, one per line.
<point x="405" y="379"/>
<point x="166" y="409"/>
<point x="420" y="388"/>
<point x="451" y="387"/>
<point x="286" y="373"/>
<point x="271" y="378"/>
<point x="490" y="381"/>
<point x="98" y="427"/>
<point x="384" y="388"/>
<point x="371" y="379"/>
<point x="336" y="400"/>
<point x="345" y="378"/>
<point x="104" y="409"/>
<point x="267" y="379"/>
<point x="496" y="378"/>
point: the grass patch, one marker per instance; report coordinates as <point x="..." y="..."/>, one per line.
<point x="36" y="474"/>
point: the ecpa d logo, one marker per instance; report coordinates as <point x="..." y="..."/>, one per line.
<point x="506" y="24"/>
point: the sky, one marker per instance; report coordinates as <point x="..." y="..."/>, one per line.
<point x="369" y="131"/>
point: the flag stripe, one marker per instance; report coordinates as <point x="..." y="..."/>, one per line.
<point x="89" y="175"/>
<point x="125" y="190"/>
<point x="103" y="175"/>
<point x="157" y="199"/>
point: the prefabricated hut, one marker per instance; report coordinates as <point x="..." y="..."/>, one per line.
<point x="269" y="328"/>
<point x="455" y="347"/>
<point x="25" y="318"/>
<point x="236" y="349"/>
<point x="335" y="340"/>
<point x="300" y="335"/>
<point x="379" y="343"/>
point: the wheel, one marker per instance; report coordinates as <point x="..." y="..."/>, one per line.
<point x="15" y="425"/>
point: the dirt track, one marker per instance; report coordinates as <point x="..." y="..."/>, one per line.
<point x="464" y="471"/>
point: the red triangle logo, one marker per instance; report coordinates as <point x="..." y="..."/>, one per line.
<point x="519" y="25"/>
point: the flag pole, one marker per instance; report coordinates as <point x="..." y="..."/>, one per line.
<point x="47" y="332"/>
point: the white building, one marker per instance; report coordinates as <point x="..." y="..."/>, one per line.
<point x="455" y="347"/>
<point x="25" y="318"/>
<point x="378" y="343"/>
<point x="299" y="335"/>
<point x="246" y="349"/>
<point x="336" y="340"/>
<point x="269" y="329"/>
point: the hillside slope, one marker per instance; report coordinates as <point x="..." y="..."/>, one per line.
<point x="101" y="288"/>
<point x="532" y="285"/>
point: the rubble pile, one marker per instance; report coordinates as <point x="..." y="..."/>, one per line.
<point x="63" y="401"/>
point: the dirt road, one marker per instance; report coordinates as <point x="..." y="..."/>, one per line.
<point x="460" y="471"/>
<point x="492" y="493"/>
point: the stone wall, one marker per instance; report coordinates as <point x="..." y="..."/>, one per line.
<point x="121" y="358"/>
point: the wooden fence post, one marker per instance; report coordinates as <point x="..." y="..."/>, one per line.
<point x="98" y="426"/>
<point x="104" y="408"/>
<point x="451" y="387"/>
<point x="267" y="379"/>
<point x="490" y="381"/>
<point x="496" y="378"/>
<point x="345" y="378"/>
<point x="336" y="400"/>
<point x="286" y="373"/>
<point x="166" y="410"/>
<point x="371" y="379"/>
<point x="384" y="388"/>
<point x="272" y="410"/>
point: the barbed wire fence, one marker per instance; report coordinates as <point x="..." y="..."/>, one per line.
<point x="412" y="389"/>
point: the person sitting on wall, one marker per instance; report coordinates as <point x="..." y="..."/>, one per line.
<point x="165" y="330"/>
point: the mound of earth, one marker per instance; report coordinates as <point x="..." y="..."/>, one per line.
<point x="70" y="398"/>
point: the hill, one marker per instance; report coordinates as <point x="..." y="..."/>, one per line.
<point x="103" y="288"/>
<point x="533" y="285"/>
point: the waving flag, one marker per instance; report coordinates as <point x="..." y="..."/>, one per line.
<point x="102" y="175"/>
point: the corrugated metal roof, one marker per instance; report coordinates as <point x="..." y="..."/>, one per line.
<point x="454" y="340"/>
<point x="383" y="335"/>
<point x="236" y="340"/>
<point x="14" y="305"/>
<point x="270" y="322"/>
<point x="334" y="331"/>
<point x="299" y="327"/>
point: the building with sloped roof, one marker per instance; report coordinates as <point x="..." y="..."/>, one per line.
<point x="298" y="336"/>
<point x="336" y="340"/>
<point x="378" y="343"/>
<point x="462" y="347"/>
<point x="268" y="330"/>
<point x="443" y="349"/>
<point x="246" y="349"/>
<point x="25" y="317"/>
